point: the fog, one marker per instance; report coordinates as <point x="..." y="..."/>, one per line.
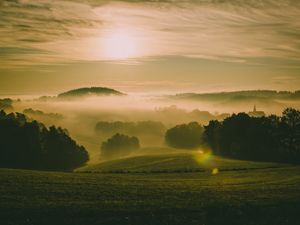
<point x="80" y="116"/>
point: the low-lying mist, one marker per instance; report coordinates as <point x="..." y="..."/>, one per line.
<point x="80" y="116"/>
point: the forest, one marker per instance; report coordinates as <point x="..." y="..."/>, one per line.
<point x="271" y="138"/>
<point x="31" y="145"/>
<point x="39" y="139"/>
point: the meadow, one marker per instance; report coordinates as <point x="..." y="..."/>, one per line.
<point x="183" y="191"/>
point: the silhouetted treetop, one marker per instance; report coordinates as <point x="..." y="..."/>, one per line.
<point x="185" y="136"/>
<point x="31" y="145"/>
<point x="119" y="145"/>
<point x="6" y="104"/>
<point x="269" y="138"/>
<point x="39" y="113"/>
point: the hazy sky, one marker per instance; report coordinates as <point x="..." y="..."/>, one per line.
<point x="47" y="46"/>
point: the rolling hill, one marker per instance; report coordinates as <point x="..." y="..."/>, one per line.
<point x="184" y="161"/>
<point x="90" y="91"/>
<point x="239" y="95"/>
<point x="254" y="196"/>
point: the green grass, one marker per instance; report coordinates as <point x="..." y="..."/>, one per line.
<point x="246" y="193"/>
<point x="184" y="161"/>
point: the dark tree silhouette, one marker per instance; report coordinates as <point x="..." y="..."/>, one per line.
<point x="31" y="145"/>
<point x="187" y="136"/>
<point x="269" y="138"/>
<point x="38" y="113"/>
<point x="119" y="145"/>
<point x="6" y="104"/>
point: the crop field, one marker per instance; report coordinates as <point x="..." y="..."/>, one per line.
<point x="180" y="192"/>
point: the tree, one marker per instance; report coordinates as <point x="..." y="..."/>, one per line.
<point x="269" y="138"/>
<point x="31" y="145"/>
<point x="211" y="135"/>
<point x="187" y="136"/>
<point x="119" y="145"/>
<point x="6" y="104"/>
<point x="291" y="117"/>
<point x="290" y="127"/>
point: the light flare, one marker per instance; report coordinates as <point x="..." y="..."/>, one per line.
<point x="203" y="157"/>
<point x="215" y="171"/>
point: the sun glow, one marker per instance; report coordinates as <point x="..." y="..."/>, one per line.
<point x="120" y="45"/>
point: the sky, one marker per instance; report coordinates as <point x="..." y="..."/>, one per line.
<point x="157" y="46"/>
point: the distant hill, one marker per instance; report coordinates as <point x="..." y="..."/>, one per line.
<point x="239" y="96"/>
<point x="90" y="91"/>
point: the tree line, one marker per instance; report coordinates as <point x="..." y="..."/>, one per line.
<point x="28" y="144"/>
<point x="31" y="145"/>
<point x="240" y="136"/>
<point x="271" y="138"/>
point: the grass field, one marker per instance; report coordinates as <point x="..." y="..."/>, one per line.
<point x="185" y="161"/>
<point x="246" y="193"/>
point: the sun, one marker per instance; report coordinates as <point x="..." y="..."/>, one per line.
<point x="120" y="45"/>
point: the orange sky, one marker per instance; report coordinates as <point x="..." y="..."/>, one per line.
<point x="153" y="46"/>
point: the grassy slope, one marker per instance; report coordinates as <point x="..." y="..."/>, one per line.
<point x="264" y="195"/>
<point x="185" y="161"/>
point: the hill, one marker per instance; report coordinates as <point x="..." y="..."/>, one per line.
<point x="264" y="98"/>
<point x="90" y="91"/>
<point x="262" y="196"/>
<point x="175" y="162"/>
<point x="251" y="95"/>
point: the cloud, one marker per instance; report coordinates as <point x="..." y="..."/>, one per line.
<point x="66" y="31"/>
<point x="284" y="80"/>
